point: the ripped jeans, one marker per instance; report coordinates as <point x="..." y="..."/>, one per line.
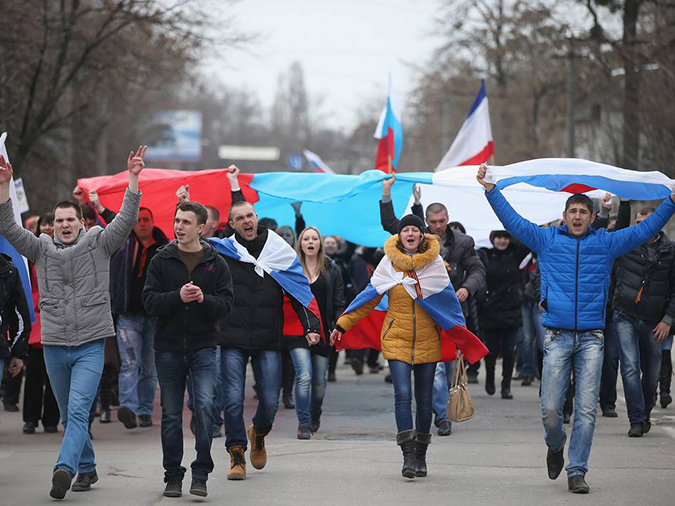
<point x="138" y="374"/>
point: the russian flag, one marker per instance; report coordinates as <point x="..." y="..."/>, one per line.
<point x="390" y="133"/>
<point x="435" y="295"/>
<point x="473" y="144"/>
<point x="278" y="260"/>
<point x="18" y="260"/>
<point x="317" y="163"/>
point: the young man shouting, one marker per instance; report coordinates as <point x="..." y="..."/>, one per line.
<point x="576" y="263"/>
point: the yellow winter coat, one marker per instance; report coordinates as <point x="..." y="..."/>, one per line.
<point x="409" y="334"/>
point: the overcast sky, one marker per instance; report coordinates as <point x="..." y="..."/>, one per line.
<point x="346" y="47"/>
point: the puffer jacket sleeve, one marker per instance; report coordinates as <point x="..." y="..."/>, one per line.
<point x="627" y="239"/>
<point x="18" y="316"/>
<point x="474" y="269"/>
<point x="156" y="300"/>
<point x="527" y="232"/>
<point x="113" y="236"/>
<point x="218" y="305"/>
<point x="347" y="321"/>
<point x="24" y="241"/>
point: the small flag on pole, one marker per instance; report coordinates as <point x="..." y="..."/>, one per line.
<point x="317" y="163"/>
<point x="473" y="144"/>
<point x="390" y="133"/>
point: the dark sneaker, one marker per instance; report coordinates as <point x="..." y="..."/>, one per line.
<point x="11" y="407"/>
<point x="51" y="429"/>
<point x="527" y="381"/>
<point x="315" y="424"/>
<point x="84" y="481"/>
<point x="609" y="413"/>
<point x="29" y="428"/>
<point x="636" y="430"/>
<point x="357" y="365"/>
<point x="60" y="484"/>
<point x="647" y="426"/>
<point x="144" y="421"/>
<point x="666" y="400"/>
<point x="198" y="487"/>
<point x="127" y="417"/>
<point x="174" y="487"/>
<point x="304" y="432"/>
<point x="555" y="461"/>
<point x="577" y="485"/>
<point x="105" y="417"/>
<point x="444" y="428"/>
<point x="473" y="378"/>
<point x="387" y="379"/>
<point x="506" y="394"/>
<point x="331" y="376"/>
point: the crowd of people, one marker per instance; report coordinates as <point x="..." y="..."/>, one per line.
<point x="121" y="309"/>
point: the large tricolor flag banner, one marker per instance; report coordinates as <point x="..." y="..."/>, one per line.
<point x="317" y="163"/>
<point x="348" y="206"/>
<point x="473" y="144"/>
<point x="19" y="261"/>
<point x="390" y="133"/>
<point x="437" y="298"/>
<point x="278" y="260"/>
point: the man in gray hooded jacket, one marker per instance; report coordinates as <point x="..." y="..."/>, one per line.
<point x="73" y="276"/>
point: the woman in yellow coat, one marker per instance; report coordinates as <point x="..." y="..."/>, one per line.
<point x="410" y="339"/>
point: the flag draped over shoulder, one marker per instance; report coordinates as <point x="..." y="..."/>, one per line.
<point x="278" y="260"/>
<point x="433" y="292"/>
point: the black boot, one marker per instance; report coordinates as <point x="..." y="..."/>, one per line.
<point x="666" y="376"/>
<point x="490" y="361"/>
<point x="406" y="440"/>
<point x="508" y="359"/>
<point x="421" y="443"/>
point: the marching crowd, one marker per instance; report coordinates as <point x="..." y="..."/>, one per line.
<point x="120" y="309"/>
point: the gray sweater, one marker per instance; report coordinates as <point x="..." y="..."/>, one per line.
<point x="74" y="279"/>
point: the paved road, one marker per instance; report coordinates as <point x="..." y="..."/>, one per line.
<point x="495" y="459"/>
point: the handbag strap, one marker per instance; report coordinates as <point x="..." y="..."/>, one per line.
<point x="459" y="372"/>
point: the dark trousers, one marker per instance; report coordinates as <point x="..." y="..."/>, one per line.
<point x="500" y="342"/>
<point x="368" y="355"/>
<point x="666" y="372"/>
<point x="610" y="370"/>
<point x="11" y="385"/>
<point x="333" y="359"/>
<point x="39" y="402"/>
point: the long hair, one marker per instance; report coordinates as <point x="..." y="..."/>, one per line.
<point x="321" y="257"/>
<point x="422" y="248"/>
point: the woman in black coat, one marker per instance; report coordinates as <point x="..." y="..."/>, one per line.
<point x="311" y="363"/>
<point x="499" y="312"/>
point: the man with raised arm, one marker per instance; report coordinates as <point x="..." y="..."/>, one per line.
<point x="576" y="263"/>
<point x="74" y="279"/>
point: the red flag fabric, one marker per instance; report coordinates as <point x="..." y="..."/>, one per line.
<point x="158" y="186"/>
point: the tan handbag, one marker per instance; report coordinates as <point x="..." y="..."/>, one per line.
<point x="460" y="406"/>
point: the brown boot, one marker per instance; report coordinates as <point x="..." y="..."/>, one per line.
<point x="258" y="452"/>
<point x="237" y="463"/>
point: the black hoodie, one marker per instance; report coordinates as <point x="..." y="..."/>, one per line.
<point x="182" y="327"/>
<point x="14" y="312"/>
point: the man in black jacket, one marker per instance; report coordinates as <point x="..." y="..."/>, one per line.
<point x="188" y="289"/>
<point x="14" y="318"/>
<point x="253" y="330"/>
<point x="465" y="269"/>
<point x="135" y="328"/>
<point x="644" y="308"/>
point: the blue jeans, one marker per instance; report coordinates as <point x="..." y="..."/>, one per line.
<point x="610" y="369"/>
<point x="172" y="371"/>
<point x="532" y="334"/>
<point x="267" y="373"/>
<point x="74" y="374"/>
<point x="310" y="383"/>
<point x="218" y="412"/>
<point x="442" y="380"/>
<point x="424" y="385"/>
<point x="639" y="353"/>
<point x="564" y="350"/>
<point x="138" y="374"/>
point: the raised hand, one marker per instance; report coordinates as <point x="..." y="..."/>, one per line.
<point x="93" y="198"/>
<point x="480" y="177"/>
<point x="387" y="184"/>
<point x="607" y="201"/>
<point x="183" y="193"/>
<point x="296" y="207"/>
<point x="135" y="163"/>
<point x="233" y="176"/>
<point x="417" y="193"/>
<point x="79" y="195"/>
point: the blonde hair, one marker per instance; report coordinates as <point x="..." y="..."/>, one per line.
<point x="321" y="257"/>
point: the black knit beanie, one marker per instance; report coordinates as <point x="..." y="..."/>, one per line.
<point x="411" y="219"/>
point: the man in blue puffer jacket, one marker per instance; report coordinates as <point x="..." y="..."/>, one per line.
<point x="576" y="263"/>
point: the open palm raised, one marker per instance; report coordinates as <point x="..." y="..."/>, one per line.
<point x="135" y="163"/>
<point x="5" y="170"/>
